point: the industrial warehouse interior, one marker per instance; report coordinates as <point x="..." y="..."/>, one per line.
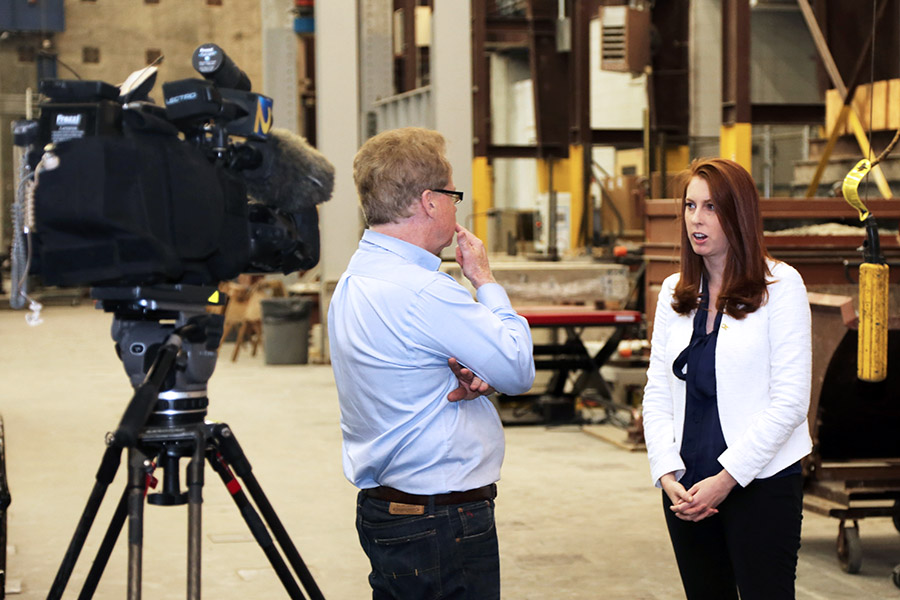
<point x="570" y="126"/>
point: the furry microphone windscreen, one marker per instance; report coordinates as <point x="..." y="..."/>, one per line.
<point x="293" y="175"/>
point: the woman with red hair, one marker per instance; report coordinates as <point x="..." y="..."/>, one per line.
<point x="727" y="395"/>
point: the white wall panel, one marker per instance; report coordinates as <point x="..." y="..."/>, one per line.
<point x="337" y="123"/>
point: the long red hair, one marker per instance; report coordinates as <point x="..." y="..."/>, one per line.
<point x="736" y="199"/>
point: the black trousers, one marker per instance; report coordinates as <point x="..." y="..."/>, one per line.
<point x="750" y="546"/>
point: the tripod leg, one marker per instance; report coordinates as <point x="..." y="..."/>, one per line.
<point x="105" y="474"/>
<point x="235" y="456"/>
<point x="195" y="504"/>
<point x="257" y="528"/>
<point x="105" y="550"/>
<point x="274" y="523"/>
<point x="137" y="483"/>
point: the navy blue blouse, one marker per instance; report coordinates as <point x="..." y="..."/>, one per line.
<point x="702" y="441"/>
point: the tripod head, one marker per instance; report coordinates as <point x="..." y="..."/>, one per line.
<point x="146" y="320"/>
<point x="167" y="343"/>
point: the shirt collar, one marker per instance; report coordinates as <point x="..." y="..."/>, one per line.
<point x="410" y="252"/>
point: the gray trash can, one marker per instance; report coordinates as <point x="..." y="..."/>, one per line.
<point x="285" y="324"/>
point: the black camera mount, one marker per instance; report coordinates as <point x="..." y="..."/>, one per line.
<point x="167" y="343"/>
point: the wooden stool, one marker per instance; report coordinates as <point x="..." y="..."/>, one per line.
<point x="244" y="311"/>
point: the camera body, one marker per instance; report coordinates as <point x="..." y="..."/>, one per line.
<point x="132" y="193"/>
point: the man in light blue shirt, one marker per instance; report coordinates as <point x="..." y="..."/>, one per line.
<point x="412" y="354"/>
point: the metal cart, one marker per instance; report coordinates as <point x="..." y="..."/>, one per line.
<point x="853" y="472"/>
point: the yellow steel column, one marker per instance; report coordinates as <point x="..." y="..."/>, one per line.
<point x="560" y="182"/>
<point x="736" y="143"/>
<point x="678" y="158"/>
<point x="560" y="175"/>
<point x="576" y="195"/>
<point x="482" y="196"/>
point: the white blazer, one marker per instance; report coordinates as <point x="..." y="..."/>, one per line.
<point x="763" y="376"/>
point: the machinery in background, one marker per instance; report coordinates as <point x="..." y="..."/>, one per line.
<point x="854" y="468"/>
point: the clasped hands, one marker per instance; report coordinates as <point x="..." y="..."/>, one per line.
<point x="702" y="500"/>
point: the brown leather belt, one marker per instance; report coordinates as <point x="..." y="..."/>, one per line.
<point x="388" y="494"/>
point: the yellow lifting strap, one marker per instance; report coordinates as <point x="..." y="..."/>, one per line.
<point x="850" y="187"/>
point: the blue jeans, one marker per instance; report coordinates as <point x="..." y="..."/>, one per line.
<point x="448" y="553"/>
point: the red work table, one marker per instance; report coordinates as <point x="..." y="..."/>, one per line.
<point x="576" y="316"/>
<point x="566" y="360"/>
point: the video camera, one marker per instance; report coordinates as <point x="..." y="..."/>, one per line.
<point x="128" y="192"/>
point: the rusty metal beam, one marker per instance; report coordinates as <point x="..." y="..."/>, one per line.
<point x="549" y="75"/>
<point x="812" y="114"/>
<point x="580" y="12"/>
<point x="410" y="56"/>
<point x="524" y="151"/>
<point x="506" y="32"/>
<point x="671" y="69"/>
<point x="620" y="138"/>
<point x="481" y="81"/>
<point x="736" y="62"/>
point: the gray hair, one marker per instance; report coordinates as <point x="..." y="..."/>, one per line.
<point x="392" y="169"/>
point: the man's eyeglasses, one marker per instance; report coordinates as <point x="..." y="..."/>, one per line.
<point x="457" y="195"/>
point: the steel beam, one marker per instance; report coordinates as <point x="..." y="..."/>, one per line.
<point x="481" y="79"/>
<point x="773" y="114"/>
<point x="736" y="135"/>
<point x="620" y="138"/>
<point x="410" y="54"/>
<point x="580" y="152"/>
<point x="550" y="77"/>
<point x="735" y="61"/>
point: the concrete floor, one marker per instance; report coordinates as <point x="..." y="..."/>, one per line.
<point x="577" y="517"/>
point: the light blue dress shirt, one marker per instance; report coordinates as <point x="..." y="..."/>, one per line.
<point x="393" y="322"/>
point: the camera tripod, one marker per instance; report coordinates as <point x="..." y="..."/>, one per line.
<point x="167" y="344"/>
